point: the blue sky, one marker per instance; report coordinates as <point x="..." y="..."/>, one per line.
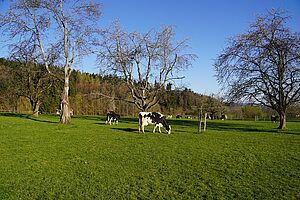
<point x="208" y="24"/>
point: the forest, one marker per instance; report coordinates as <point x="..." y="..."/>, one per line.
<point x="28" y="88"/>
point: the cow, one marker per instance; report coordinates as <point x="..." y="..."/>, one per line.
<point x="178" y="116"/>
<point x="156" y="118"/>
<point x="59" y="112"/>
<point x="223" y="116"/>
<point x="274" y="118"/>
<point x="111" y="116"/>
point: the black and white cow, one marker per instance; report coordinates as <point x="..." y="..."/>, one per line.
<point x="59" y="111"/>
<point x="111" y="116"/>
<point x="274" y="118"/>
<point x="223" y="116"/>
<point x="155" y="118"/>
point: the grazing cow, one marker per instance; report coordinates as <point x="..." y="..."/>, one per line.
<point x="178" y="116"/>
<point x="274" y="118"/>
<point x="59" y="111"/>
<point x="223" y="116"/>
<point x="111" y="116"/>
<point x="155" y="118"/>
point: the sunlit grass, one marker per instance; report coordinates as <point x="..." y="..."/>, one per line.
<point x="42" y="159"/>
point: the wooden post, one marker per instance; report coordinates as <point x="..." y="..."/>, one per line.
<point x="200" y="120"/>
<point x="205" y="116"/>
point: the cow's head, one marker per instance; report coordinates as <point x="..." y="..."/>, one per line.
<point x="166" y="125"/>
<point x="168" y="129"/>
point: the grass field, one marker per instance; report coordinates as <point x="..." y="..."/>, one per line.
<point x="42" y="159"/>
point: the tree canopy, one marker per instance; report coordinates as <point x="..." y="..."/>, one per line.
<point x="146" y="62"/>
<point x="59" y="32"/>
<point x="263" y="65"/>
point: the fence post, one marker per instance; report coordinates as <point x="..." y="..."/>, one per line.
<point x="205" y="116"/>
<point x="199" y="119"/>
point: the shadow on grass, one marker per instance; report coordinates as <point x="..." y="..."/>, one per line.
<point x="230" y="125"/>
<point x="92" y="118"/>
<point x="26" y="116"/>
<point x="130" y="119"/>
<point x="220" y="126"/>
<point x="132" y="130"/>
<point x="14" y="115"/>
<point x="250" y="127"/>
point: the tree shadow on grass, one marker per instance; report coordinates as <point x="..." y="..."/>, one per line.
<point x="131" y="130"/>
<point x="93" y="117"/>
<point x="231" y="125"/>
<point x="249" y="127"/>
<point x="14" y="115"/>
<point x="221" y="126"/>
<point x="26" y="116"/>
<point x="40" y="120"/>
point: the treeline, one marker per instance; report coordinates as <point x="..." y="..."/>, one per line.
<point x="27" y="88"/>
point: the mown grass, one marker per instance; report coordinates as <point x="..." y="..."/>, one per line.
<point x="42" y="159"/>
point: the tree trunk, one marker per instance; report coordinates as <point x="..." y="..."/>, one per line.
<point x="282" y="120"/>
<point x="36" y="108"/>
<point x="65" y="117"/>
<point x="112" y="103"/>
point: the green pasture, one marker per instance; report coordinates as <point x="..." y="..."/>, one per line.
<point x="42" y="159"/>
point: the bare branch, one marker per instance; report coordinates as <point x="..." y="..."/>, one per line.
<point x="145" y="61"/>
<point x="263" y="64"/>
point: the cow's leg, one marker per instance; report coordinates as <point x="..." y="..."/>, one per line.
<point x="117" y="122"/>
<point x="110" y="121"/>
<point x="143" y="129"/>
<point x="154" y="128"/>
<point x="140" y="123"/>
<point x="159" y="129"/>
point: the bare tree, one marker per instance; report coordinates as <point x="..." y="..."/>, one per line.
<point x="145" y="61"/>
<point x="62" y="30"/>
<point x="32" y="79"/>
<point x="263" y="65"/>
